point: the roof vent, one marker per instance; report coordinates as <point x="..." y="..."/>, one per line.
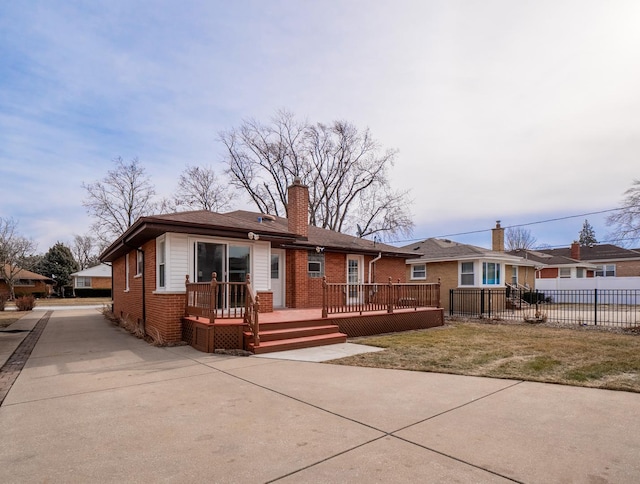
<point x="268" y="216"/>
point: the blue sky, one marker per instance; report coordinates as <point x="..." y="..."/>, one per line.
<point x="518" y="111"/>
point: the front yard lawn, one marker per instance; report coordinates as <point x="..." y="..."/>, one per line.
<point x="577" y="357"/>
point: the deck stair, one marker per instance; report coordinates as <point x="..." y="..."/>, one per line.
<point x="291" y="335"/>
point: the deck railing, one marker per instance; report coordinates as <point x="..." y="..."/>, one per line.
<point x="360" y="298"/>
<point x="224" y="300"/>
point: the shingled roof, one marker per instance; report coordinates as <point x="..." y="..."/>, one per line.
<point x="442" y="250"/>
<point x="597" y="252"/>
<point x="238" y="224"/>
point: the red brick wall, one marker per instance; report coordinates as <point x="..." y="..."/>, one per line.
<point x="548" y="273"/>
<point x="303" y="291"/>
<point x="100" y="283"/>
<point x="298" y="209"/>
<point x="163" y="311"/>
<point x="266" y="301"/>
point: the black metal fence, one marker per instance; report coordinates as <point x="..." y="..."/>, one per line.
<point x="607" y="307"/>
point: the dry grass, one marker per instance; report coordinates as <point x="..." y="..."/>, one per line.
<point x="521" y="352"/>
<point x="9" y="317"/>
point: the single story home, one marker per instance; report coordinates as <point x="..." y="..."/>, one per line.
<point x="464" y="266"/>
<point x="286" y="258"/>
<point x="599" y="266"/>
<point x="26" y="283"/>
<point x="92" y="282"/>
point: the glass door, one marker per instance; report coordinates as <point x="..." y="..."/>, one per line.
<point x="354" y="279"/>
<point x="211" y="258"/>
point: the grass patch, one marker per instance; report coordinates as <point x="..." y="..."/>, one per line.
<point x="521" y="352"/>
<point x="7" y="318"/>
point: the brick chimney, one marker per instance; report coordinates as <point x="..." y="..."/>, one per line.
<point x="298" y="208"/>
<point x="497" y="238"/>
<point x="575" y="250"/>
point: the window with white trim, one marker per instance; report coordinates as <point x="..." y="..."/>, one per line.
<point x="83" y="281"/>
<point x="161" y="258"/>
<point x="490" y="273"/>
<point x="580" y="272"/>
<point x="565" y="272"/>
<point x="467" y="275"/>
<point x="418" y="271"/>
<point x="514" y="275"/>
<point x="608" y="270"/>
<point x="139" y="262"/>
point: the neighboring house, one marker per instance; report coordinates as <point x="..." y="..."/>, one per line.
<point x="600" y="266"/>
<point x="93" y="281"/>
<point x="553" y="267"/>
<point x="286" y="258"/>
<point x="460" y="266"/>
<point x="27" y="283"/>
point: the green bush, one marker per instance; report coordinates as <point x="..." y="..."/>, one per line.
<point x="25" y="303"/>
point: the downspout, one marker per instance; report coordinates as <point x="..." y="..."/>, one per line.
<point x="144" y="296"/>
<point x="371" y="262"/>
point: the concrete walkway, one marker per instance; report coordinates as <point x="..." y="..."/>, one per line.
<point x="94" y="404"/>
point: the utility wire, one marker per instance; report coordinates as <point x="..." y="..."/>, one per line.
<point x="510" y="226"/>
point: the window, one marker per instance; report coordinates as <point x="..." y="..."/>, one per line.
<point x="275" y="266"/>
<point x="161" y="258"/>
<point x="579" y="272"/>
<point x="126" y="272"/>
<point x="514" y="275"/>
<point x="490" y="273"/>
<point x="139" y="262"/>
<point x="315" y="264"/>
<point x="24" y="282"/>
<point x="467" y="277"/>
<point x="565" y="272"/>
<point x="419" y="271"/>
<point x="608" y="270"/>
<point x="83" y="281"/>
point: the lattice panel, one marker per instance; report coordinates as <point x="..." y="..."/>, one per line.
<point x="389" y="323"/>
<point x="228" y="337"/>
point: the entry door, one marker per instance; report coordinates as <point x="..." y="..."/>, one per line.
<point x="355" y="276"/>
<point x="277" y="277"/>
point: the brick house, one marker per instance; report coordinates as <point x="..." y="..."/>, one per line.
<point x="464" y="266"/>
<point x="602" y="266"/>
<point x="26" y="283"/>
<point x="286" y="258"/>
<point x="92" y="281"/>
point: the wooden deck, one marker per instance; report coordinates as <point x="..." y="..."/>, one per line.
<point x="285" y="329"/>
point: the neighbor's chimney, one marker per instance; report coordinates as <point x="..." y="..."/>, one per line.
<point x="298" y="208"/>
<point x="575" y="250"/>
<point x="497" y="238"/>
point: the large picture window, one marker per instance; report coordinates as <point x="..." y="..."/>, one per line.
<point x="490" y="273"/>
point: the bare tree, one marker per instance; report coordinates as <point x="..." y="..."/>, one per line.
<point x="85" y="251"/>
<point x="519" y="238"/>
<point x="199" y="188"/>
<point x="14" y="249"/>
<point x="626" y="221"/>
<point x="345" y="169"/>
<point x="119" y="199"/>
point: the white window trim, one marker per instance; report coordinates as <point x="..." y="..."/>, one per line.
<point x="161" y="240"/>
<point x="419" y="278"/>
<point x="560" y="276"/>
<point x="475" y="273"/>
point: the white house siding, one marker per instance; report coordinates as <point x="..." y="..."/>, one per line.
<point x="260" y="278"/>
<point x="588" y="283"/>
<point x="177" y="261"/>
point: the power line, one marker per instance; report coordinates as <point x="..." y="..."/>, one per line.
<point x="511" y="226"/>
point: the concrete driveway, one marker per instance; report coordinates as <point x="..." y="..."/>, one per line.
<point x="94" y="404"/>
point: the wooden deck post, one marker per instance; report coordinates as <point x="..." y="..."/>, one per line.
<point x="256" y="322"/>
<point x="439" y="286"/>
<point x="325" y="300"/>
<point x="186" y="295"/>
<point x="390" y="297"/>
<point x="213" y="301"/>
